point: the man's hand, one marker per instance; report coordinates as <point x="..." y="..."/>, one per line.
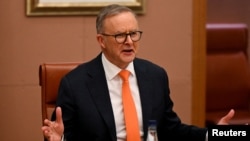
<point x="53" y="130"/>
<point x="225" y="120"/>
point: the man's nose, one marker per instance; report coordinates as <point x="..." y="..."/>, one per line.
<point x="128" y="39"/>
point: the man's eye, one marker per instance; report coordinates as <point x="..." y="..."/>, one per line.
<point x="133" y="34"/>
<point x="120" y="35"/>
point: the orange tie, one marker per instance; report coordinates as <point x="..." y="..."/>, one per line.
<point x="130" y="115"/>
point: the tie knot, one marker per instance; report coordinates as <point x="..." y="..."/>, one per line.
<point x="124" y="74"/>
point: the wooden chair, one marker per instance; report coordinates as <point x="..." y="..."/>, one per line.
<point x="50" y="75"/>
<point x="228" y="73"/>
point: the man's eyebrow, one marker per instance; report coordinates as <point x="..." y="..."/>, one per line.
<point x="126" y="32"/>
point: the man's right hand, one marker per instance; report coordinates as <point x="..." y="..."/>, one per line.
<point x="53" y="130"/>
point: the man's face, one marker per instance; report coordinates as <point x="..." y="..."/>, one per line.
<point x="120" y="54"/>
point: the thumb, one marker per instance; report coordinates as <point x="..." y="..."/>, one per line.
<point x="229" y="116"/>
<point x="225" y="120"/>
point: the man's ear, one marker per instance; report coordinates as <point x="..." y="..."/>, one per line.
<point x="100" y="40"/>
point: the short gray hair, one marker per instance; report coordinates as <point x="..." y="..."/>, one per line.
<point x="108" y="11"/>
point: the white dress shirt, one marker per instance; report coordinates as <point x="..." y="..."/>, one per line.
<point x="115" y="90"/>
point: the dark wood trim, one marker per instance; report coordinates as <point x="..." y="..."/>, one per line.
<point x="198" y="63"/>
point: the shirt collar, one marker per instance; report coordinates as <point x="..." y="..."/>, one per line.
<point x="112" y="70"/>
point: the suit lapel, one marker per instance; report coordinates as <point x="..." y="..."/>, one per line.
<point x="145" y="90"/>
<point x="99" y="91"/>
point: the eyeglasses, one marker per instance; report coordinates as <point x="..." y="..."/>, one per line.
<point x="122" y="37"/>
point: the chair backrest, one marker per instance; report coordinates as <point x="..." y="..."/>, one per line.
<point x="227" y="84"/>
<point x="50" y="75"/>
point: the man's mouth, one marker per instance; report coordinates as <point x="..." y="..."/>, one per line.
<point x="128" y="50"/>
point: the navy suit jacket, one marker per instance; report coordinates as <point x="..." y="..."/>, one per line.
<point x="87" y="111"/>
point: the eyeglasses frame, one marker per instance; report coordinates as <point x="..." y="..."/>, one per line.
<point x="127" y="34"/>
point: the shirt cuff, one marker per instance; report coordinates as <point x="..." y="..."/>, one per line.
<point x="206" y="137"/>
<point x="63" y="138"/>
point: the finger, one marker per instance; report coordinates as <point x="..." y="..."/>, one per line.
<point x="229" y="116"/>
<point x="46" y="131"/>
<point x="59" y="115"/>
<point x="48" y="128"/>
<point x="47" y="122"/>
<point x="44" y="128"/>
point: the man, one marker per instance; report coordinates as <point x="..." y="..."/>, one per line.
<point x="90" y="105"/>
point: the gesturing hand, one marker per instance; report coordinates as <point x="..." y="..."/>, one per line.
<point x="53" y="130"/>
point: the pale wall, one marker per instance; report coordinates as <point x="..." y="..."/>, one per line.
<point x="26" y="42"/>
